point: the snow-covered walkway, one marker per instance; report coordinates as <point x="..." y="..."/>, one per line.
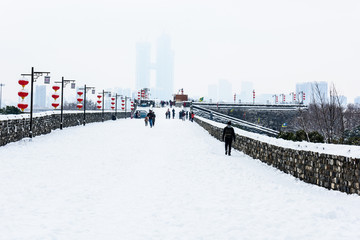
<point x="120" y="180"/>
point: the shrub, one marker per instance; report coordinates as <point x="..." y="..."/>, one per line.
<point x="287" y="136"/>
<point x="316" y="137"/>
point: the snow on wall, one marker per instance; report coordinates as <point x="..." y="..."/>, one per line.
<point x="16" y="127"/>
<point x="331" y="171"/>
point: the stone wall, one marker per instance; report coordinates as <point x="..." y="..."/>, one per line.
<point x="16" y="129"/>
<point x="328" y="171"/>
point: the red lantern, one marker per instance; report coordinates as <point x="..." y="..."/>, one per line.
<point x="55" y="105"/>
<point x="23" y="82"/>
<point x="80" y="93"/>
<point x="22" y="106"/>
<point x="98" y="106"/>
<point x="55" y="96"/>
<point x="56" y="88"/>
<point x="98" y="101"/>
<point x="112" y="107"/>
<point x="80" y="100"/>
<point x="99" y="96"/>
<point x="113" y="103"/>
<point x="23" y="94"/>
<point x="113" y="99"/>
<point x="79" y="106"/>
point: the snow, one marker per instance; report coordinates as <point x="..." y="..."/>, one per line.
<point x="334" y="149"/>
<point x="121" y="180"/>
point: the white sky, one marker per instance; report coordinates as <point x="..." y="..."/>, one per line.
<point x="273" y="44"/>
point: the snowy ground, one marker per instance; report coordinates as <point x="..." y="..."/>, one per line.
<point x="120" y="180"/>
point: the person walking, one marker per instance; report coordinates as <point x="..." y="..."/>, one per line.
<point x="228" y="136"/>
<point x="173" y="113"/>
<point x="150" y="115"/>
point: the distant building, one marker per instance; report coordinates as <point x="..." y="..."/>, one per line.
<point x="143" y="65"/>
<point x="343" y="100"/>
<point x="310" y="91"/>
<point x="213" y="93"/>
<point x="164" y="68"/>
<point x="225" y="91"/>
<point x="40" y="97"/>
<point x="246" y="93"/>
<point x="357" y="100"/>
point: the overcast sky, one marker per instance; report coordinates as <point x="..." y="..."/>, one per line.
<point x="273" y="44"/>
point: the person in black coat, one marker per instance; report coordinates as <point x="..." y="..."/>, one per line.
<point x="228" y="136"/>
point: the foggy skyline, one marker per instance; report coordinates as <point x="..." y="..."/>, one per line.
<point x="273" y="44"/>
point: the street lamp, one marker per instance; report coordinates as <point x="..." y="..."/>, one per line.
<point x="116" y="96"/>
<point x="85" y="91"/>
<point x="103" y="102"/>
<point x="1" y="85"/>
<point x="126" y="98"/>
<point x="34" y="76"/>
<point x="63" y="82"/>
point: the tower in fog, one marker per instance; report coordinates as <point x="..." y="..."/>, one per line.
<point x="164" y="68"/>
<point x="143" y="65"/>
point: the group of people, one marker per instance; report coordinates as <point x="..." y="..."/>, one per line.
<point x="228" y="135"/>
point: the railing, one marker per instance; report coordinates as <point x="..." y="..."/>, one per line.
<point x="223" y="118"/>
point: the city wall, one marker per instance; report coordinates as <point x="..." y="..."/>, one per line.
<point x="328" y="171"/>
<point x="13" y="130"/>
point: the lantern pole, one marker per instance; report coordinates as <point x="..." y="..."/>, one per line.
<point x="85" y="91"/>
<point x="103" y="104"/>
<point x="34" y="76"/>
<point x="116" y="96"/>
<point x="1" y="85"/>
<point x="63" y="85"/>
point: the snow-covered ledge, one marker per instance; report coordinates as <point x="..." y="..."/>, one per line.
<point x="16" y="127"/>
<point x="335" y="167"/>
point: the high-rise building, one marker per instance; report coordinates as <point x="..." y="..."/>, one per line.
<point x="225" y="91"/>
<point x="311" y="91"/>
<point x="40" y="97"/>
<point x="164" y="68"/>
<point x="357" y="100"/>
<point x="246" y="93"/>
<point x="143" y="65"/>
<point x="213" y="93"/>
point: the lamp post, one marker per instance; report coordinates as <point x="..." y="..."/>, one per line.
<point x="116" y="96"/>
<point x="34" y="76"/>
<point x="63" y="82"/>
<point x="126" y="98"/>
<point x="1" y="85"/>
<point x="85" y="91"/>
<point x="103" y="104"/>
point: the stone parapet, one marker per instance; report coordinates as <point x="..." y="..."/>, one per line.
<point x="13" y="130"/>
<point x="329" y="171"/>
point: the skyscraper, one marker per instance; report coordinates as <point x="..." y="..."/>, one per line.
<point x="40" y="97"/>
<point x="225" y="91"/>
<point x="310" y="91"/>
<point x="143" y="65"/>
<point x="164" y="68"/>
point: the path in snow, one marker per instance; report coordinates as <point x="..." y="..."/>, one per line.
<point x="120" y="180"/>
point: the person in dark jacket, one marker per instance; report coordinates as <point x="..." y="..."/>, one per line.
<point x="228" y="136"/>
<point x="151" y="117"/>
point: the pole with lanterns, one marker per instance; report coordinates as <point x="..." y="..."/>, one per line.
<point x="34" y="76"/>
<point x="103" y="103"/>
<point x="86" y="89"/>
<point x="63" y="82"/>
<point x="1" y="86"/>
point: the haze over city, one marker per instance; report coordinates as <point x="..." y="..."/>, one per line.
<point x="272" y="44"/>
